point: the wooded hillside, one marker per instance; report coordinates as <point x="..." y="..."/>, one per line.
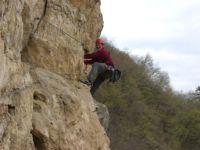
<point x="145" y="112"/>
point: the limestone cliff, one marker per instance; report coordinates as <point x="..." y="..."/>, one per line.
<point x="42" y="106"/>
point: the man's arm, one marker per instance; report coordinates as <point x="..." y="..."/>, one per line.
<point x="92" y="55"/>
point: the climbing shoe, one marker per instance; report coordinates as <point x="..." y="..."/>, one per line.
<point x="87" y="82"/>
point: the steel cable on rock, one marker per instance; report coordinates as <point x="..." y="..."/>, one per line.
<point x="74" y="74"/>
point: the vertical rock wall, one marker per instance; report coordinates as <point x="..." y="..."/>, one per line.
<point x="42" y="106"/>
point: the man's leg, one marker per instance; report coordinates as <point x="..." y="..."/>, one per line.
<point x="100" y="79"/>
<point x="97" y="69"/>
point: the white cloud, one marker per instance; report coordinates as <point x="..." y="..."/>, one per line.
<point x="168" y="30"/>
<point x="144" y="18"/>
<point x="182" y="68"/>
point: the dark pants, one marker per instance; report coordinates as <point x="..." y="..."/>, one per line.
<point x="99" y="80"/>
<point x="97" y="69"/>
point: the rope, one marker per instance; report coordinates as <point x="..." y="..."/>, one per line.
<point x="59" y="29"/>
<point x="65" y="33"/>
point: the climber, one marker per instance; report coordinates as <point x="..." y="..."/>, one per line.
<point x="102" y="63"/>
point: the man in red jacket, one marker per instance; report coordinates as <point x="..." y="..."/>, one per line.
<point x="101" y="61"/>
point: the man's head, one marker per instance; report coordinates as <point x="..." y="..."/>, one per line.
<point x="99" y="43"/>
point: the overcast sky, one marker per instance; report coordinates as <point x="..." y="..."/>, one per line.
<point x="168" y="30"/>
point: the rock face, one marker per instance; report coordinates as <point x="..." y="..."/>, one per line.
<point x="103" y="114"/>
<point x="42" y="106"/>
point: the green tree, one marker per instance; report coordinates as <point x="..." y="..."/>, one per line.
<point x="145" y="112"/>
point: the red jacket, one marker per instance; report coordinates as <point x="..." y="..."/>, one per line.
<point x="102" y="56"/>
